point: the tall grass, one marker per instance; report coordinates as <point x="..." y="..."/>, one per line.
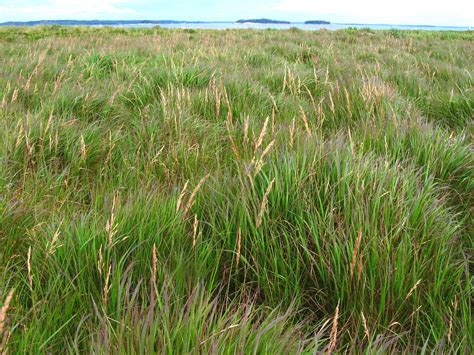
<point x="235" y="191"/>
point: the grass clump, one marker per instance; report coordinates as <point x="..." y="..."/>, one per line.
<point x="199" y="191"/>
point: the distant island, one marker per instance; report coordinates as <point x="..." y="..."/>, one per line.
<point x="264" y="21"/>
<point x="317" y="22"/>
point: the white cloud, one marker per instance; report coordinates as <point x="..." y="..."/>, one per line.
<point x="377" y="11"/>
<point x="69" y="9"/>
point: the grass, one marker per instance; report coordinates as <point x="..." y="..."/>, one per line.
<point x="235" y="191"/>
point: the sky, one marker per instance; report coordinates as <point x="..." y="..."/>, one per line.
<point x="426" y="12"/>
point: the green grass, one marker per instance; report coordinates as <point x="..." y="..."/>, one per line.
<point x="236" y="191"/>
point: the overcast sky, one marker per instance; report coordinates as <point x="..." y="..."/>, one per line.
<point x="429" y="12"/>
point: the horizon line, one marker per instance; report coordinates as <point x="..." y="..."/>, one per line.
<point x="227" y="21"/>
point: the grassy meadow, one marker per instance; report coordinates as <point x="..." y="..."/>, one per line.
<point x="236" y="191"/>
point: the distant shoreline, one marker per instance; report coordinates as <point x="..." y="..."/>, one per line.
<point x="239" y="22"/>
<point x="264" y="21"/>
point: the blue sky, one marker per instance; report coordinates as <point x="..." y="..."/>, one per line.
<point x="430" y="12"/>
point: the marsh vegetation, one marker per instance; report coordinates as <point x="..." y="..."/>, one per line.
<point x="191" y="191"/>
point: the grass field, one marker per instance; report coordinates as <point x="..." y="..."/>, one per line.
<point x="249" y="191"/>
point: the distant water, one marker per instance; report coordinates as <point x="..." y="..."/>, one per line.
<point x="334" y="26"/>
